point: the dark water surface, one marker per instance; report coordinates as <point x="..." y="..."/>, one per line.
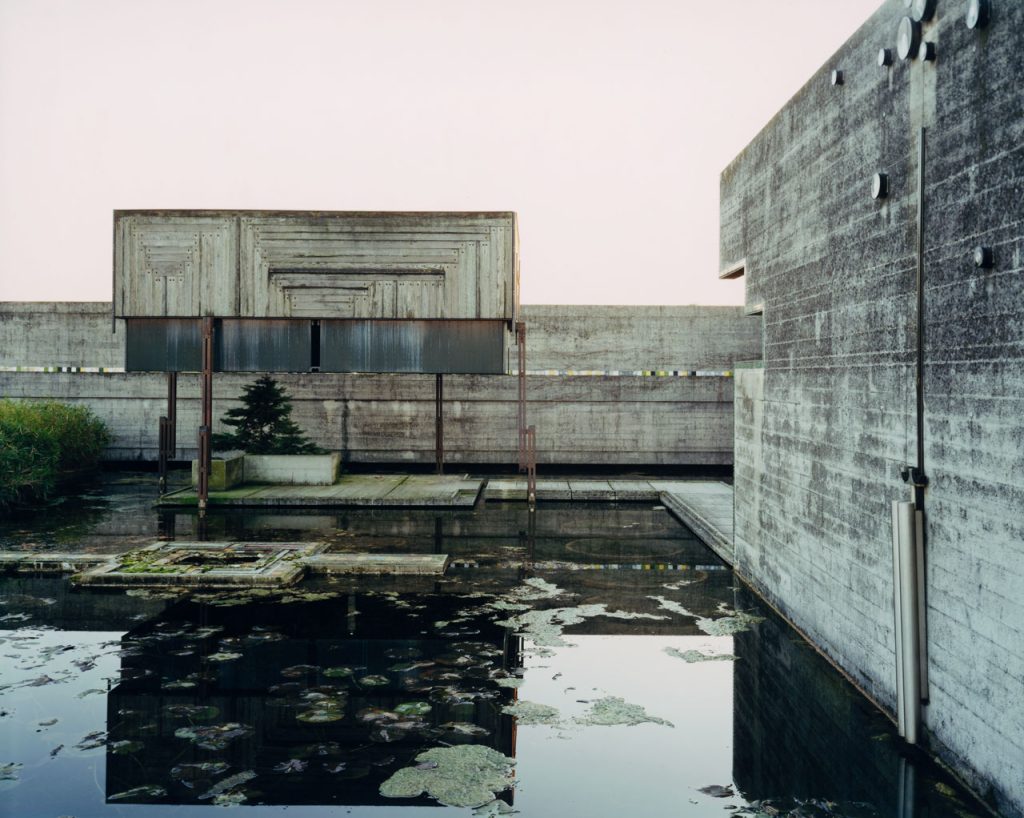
<point x="305" y="702"/>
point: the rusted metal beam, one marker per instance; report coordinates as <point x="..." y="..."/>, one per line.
<point x="163" y="445"/>
<point x="439" y="422"/>
<point x="206" y="421"/>
<point x="172" y="414"/>
<point x="531" y="467"/>
<point x="521" y="346"/>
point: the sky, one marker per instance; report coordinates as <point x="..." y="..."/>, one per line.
<point x="603" y="124"/>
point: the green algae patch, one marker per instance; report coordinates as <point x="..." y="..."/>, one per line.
<point x="532" y="713"/>
<point x="545" y="627"/>
<point x="692" y="656"/>
<point x="468" y="775"/>
<point x="612" y="710"/>
<point x="731" y="623"/>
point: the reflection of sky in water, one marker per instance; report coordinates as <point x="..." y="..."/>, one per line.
<point x="641" y="770"/>
<point x="67" y="782"/>
<point x="777" y="723"/>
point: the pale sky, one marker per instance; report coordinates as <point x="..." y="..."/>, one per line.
<point x="604" y="124"/>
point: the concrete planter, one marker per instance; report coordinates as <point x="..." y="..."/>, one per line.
<point x="226" y="471"/>
<point x="296" y="469"/>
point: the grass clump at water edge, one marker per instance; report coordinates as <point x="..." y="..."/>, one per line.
<point x="40" y="443"/>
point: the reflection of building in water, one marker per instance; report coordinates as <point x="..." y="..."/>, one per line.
<point x="323" y="700"/>
<point x="800" y="730"/>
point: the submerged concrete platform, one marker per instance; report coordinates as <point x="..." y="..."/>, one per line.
<point x="377" y="563"/>
<point x="351" y="490"/>
<point x="706" y="508"/>
<point x="205" y="565"/>
<point x="214" y="565"/>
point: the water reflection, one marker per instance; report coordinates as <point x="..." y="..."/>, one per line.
<point x="317" y="695"/>
<point x="328" y="698"/>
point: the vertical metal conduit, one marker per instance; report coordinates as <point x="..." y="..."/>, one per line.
<point x="905" y="599"/>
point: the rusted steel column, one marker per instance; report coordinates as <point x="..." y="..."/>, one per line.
<point x="521" y="344"/>
<point x="206" y="421"/>
<point x="439" y="422"/>
<point x="172" y="413"/>
<point x="531" y="467"/>
<point x="162" y="446"/>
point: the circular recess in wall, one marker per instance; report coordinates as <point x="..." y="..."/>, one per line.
<point x="977" y="14"/>
<point x="983" y="257"/>
<point x="880" y="186"/>
<point x="908" y="38"/>
<point x="837" y="77"/>
<point x="922" y="9"/>
<point x="884" y="57"/>
<point x="926" y="52"/>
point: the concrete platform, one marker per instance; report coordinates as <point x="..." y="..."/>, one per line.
<point x="351" y="490"/>
<point x="49" y="563"/>
<point x="581" y="490"/>
<point x="377" y="563"/>
<point x="204" y="565"/>
<point x="706" y="508"/>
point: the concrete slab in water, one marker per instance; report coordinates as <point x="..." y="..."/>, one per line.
<point x="706" y="508"/>
<point x="20" y="562"/>
<point x="377" y="563"/>
<point x="204" y="564"/>
<point x="415" y="490"/>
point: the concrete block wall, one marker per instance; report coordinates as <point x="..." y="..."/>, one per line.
<point x="823" y="430"/>
<point x="593" y="419"/>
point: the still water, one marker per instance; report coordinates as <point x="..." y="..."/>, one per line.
<point x="600" y="659"/>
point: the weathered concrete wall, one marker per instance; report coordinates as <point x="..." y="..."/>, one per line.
<point x="630" y="420"/>
<point x="820" y="448"/>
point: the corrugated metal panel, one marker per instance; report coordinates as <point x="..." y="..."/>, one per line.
<point x="261" y="345"/>
<point x="163" y="345"/>
<point x="239" y="345"/>
<point x="470" y="347"/>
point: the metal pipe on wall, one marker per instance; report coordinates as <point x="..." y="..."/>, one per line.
<point x="905" y="560"/>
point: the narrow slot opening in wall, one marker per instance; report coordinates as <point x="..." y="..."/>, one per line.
<point x="314" y="346"/>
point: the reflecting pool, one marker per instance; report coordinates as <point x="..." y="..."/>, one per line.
<point x="586" y="661"/>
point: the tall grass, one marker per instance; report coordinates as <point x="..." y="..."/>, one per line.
<point x="41" y="441"/>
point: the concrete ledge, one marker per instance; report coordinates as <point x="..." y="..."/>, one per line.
<point x="292" y="469"/>
<point x="706" y="509"/>
<point x="49" y="563"/>
<point x="377" y="563"/>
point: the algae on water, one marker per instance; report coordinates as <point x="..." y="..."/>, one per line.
<point x="532" y="713"/>
<point x="696" y="656"/>
<point x="612" y="710"/>
<point x="467" y="775"/>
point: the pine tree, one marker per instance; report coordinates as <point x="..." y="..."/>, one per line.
<point x="263" y="423"/>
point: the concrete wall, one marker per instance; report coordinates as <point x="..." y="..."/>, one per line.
<point x="594" y="419"/>
<point x="822" y="432"/>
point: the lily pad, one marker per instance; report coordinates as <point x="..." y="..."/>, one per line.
<point x="373" y="680"/>
<point x="216" y="736"/>
<point x="320" y="716"/>
<point x="198" y="771"/>
<point x="150" y="792"/>
<point x="196" y="712"/>
<point x="124" y="748"/>
<point x="469" y="775"/>
<point x="340" y="672"/>
<point x="9" y="771"/>
<point x="227" y="784"/>
<point x="413" y="708"/>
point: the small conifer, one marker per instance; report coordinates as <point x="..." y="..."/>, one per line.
<point x="263" y="423"/>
